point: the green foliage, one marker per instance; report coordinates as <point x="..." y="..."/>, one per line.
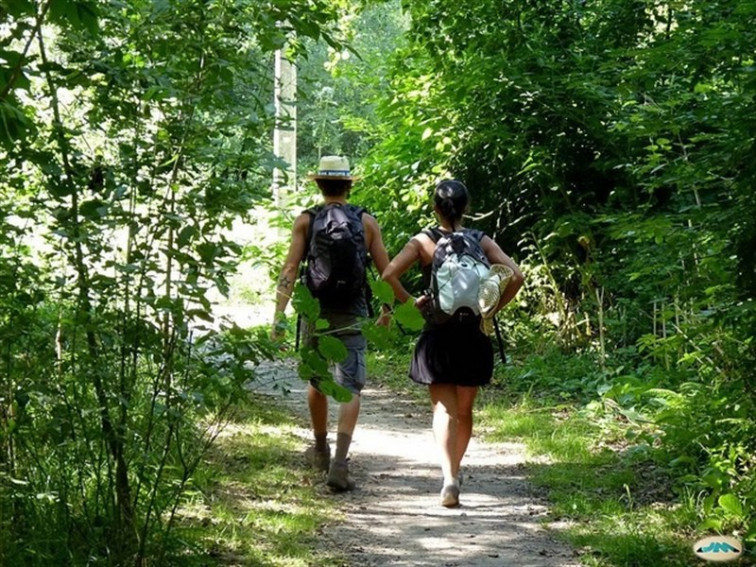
<point x="131" y="139"/>
<point x="322" y="349"/>
<point x="249" y="504"/>
<point x="608" y="148"/>
<point x="618" y="500"/>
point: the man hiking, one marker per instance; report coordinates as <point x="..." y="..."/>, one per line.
<point x="335" y="241"/>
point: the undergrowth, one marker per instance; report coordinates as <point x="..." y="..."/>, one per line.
<point x="254" y="502"/>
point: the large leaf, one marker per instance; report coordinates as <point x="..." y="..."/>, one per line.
<point x="304" y="303"/>
<point x="378" y="336"/>
<point x="731" y="505"/>
<point x="409" y="316"/>
<point x="336" y="391"/>
<point x="312" y="364"/>
<point x="76" y="13"/>
<point x="332" y="348"/>
<point x="382" y="290"/>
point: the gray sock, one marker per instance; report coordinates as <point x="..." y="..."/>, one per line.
<point x="342" y="446"/>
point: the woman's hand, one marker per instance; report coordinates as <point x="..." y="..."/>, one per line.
<point x="422" y="302"/>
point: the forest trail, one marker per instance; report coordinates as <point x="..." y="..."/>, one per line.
<point x="394" y="516"/>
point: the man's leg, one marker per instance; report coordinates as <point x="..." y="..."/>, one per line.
<point x="318" y="413"/>
<point x="350" y="374"/>
<point x="348" y="414"/>
<point x="319" y="455"/>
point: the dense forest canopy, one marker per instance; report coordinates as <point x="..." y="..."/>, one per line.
<point x="609" y="147"/>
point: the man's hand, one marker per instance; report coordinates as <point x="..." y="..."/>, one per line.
<point x="384" y="319"/>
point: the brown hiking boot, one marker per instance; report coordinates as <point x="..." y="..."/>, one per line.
<point x="319" y="460"/>
<point x="339" y="479"/>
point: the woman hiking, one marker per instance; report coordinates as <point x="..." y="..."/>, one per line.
<point x="453" y="358"/>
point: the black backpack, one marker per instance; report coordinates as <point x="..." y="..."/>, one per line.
<point x="337" y="258"/>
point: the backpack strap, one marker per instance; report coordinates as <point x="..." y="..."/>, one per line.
<point x="434" y="233"/>
<point x="498" y="340"/>
<point x="475" y="233"/>
<point x="359" y="211"/>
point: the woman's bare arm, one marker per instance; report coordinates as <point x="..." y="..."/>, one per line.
<point x="399" y="265"/>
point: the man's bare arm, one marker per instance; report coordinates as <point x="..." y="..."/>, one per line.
<point x="288" y="276"/>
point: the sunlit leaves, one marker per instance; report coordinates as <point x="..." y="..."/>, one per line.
<point x="331" y="348"/>
<point x="408" y="316"/>
<point x="382" y="291"/>
<point x="131" y="145"/>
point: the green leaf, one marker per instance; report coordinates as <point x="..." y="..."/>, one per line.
<point x="87" y="15"/>
<point x="382" y="290"/>
<point x="332" y="348"/>
<point x="714" y="524"/>
<point x="378" y="336"/>
<point x="93" y="209"/>
<point x="751" y="533"/>
<point x="336" y="391"/>
<point x="312" y="365"/>
<point x="731" y="505"/>
<point x="185" y="236"/>
<point x="304" y="303"/>
<point x="18" y="8"/>
<point x="78" y="15"/>
<point x="13" y="124"/>
<point x="409" y="316"/>
<point x="201" y="314"/>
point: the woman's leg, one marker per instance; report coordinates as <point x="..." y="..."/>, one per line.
<point x="465" y="400"/>
<point x="445" y="427"/>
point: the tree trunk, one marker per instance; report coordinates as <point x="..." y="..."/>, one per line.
<point x="285" y="133"/>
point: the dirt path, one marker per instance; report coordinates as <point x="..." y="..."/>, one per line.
<point x="394" y="517"/>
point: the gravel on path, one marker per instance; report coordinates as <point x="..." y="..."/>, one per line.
<point x="394" y="516"/>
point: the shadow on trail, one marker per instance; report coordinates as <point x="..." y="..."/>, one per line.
<point x="395" y="518"/>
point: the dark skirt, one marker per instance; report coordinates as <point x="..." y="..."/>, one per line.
<point x="453" y="354"/>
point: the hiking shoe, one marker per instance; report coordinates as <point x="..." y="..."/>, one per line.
<point x="319" y="460"/>
<point x="450" y="495"/>
<point x="339" y="479"/>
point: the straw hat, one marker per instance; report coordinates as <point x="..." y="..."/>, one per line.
<point x="333" y="168"/>
<point x="489" y="294"/>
